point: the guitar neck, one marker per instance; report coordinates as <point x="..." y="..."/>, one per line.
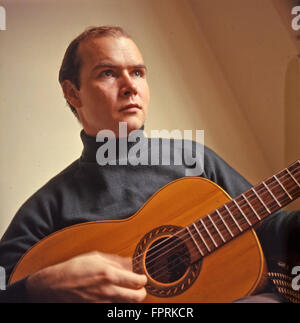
<point x="245" y="211"/>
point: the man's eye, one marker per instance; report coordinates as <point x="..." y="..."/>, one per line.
<point x="138" y="73"/>
<point x="106" y="73"/>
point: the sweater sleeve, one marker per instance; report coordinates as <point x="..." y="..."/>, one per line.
<point x="279" y="234"/>
<point x="31" y="223"/>
<point x="15" y="293"/>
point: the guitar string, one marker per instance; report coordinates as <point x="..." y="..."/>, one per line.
<point x="209" y="227"/>
<point x="174" y="263"/>
<point x="168" y="245"/>
<point x="217" y="223"/>
<point x="161" y="269"/>
<point x="183" y="241"/>
<point x="170" y="263"/>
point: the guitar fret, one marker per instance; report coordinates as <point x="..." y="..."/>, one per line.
<point x="261" y="200"/>
<point x="266" y="186"/>
<point x="294" y="179"/>
<point x="200" y="235"/>
<point x="219" y="232"/>
<point x="227" y="227"/>
<point x="233" y="218"/>
<point x="195" y="242"/>
<point x="243" y="214"/>
<point x="287" y="193"/>
<point x="252" y="208"/>
<point x="212" y="239"/>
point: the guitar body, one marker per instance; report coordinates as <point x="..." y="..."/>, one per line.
<point x="233" y="271"/>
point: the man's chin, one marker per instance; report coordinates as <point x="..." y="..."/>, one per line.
<point x="129" y="125"/>
<point x="120" y="128"/>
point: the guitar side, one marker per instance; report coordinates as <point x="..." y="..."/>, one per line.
<point x="235" y="270"/>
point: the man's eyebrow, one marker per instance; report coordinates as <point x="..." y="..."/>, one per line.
<point x="108" y="65"/>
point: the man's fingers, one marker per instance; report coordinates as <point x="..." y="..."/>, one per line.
<point x="124" y="278"/>
<point x="119" y="261"/>
<point x="107" y="279"/>
<point x="121" y="294"/>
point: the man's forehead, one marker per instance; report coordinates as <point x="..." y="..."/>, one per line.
<point x="109" y="49"/>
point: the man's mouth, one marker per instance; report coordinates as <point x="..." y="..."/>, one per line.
<point x="131" y="108"/>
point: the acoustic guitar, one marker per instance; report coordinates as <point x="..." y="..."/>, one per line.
<point x="194" y="242"/>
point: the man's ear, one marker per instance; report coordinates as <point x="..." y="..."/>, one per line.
<point x="71" y="94"/>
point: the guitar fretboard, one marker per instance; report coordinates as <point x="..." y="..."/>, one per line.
<point x="245" y="211"/>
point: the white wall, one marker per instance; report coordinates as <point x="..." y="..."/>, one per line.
<point x="213" y="65"/>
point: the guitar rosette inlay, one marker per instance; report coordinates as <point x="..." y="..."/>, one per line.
<point x="164" y="256"/>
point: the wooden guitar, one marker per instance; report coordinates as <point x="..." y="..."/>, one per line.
<point x="194" y="242"/>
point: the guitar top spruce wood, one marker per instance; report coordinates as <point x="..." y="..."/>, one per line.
<point x="194" y="242"/>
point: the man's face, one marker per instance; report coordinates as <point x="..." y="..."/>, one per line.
<point x="113" y="85"/>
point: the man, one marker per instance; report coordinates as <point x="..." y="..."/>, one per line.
<point x="103" y="77"/>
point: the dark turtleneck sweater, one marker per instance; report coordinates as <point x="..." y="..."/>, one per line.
<point x="85" y="191"/>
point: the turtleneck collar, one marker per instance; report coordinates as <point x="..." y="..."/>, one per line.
<point x="91" y="145"/>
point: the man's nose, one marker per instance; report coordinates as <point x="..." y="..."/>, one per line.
<point x="128" y="86"/>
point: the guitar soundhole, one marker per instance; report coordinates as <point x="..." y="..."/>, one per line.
<point x="167" y="260"/>
<point x="164" y="257"/>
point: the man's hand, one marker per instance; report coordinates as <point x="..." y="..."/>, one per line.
<point x="92" y="277"/>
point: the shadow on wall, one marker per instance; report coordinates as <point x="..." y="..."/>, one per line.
<point x="292" y="114"/>
<point x="292" y="110"/>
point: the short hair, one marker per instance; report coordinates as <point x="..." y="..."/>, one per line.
<point x="71" y="64"/>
